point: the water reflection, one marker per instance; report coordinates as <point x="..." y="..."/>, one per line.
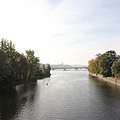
<point x="106" y="86"/>
<point x="69" y="95"/>
<point x="108" y="97"/>
<point x="12" y="101"/>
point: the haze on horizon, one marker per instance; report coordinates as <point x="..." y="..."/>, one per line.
<point x="68" y="31"/>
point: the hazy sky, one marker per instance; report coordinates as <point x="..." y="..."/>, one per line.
<point x="68" y="31"/>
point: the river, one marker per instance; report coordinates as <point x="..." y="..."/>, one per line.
<point x="69" y="95"/>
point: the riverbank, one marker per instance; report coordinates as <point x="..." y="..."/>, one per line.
<point x="112" y="80"/>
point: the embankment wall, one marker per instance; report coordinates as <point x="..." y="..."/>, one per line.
<point x="112" y="80"/>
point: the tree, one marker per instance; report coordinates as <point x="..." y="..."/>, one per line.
<point x="4" y="70"/>
<point x="7" y="50"/>
<point x="116" y="68"/>
<point x="33" y="65"/>
<point x="48" y="68"/>
<point x="16" y="68"/>
<point x="23" y="68"/>
<point x="91" y="66"/>
<point x="102" y="63"/>
<point x="105" y="61"/>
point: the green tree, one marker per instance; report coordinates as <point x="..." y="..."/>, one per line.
<point x="102" y="63"/>
<point x="116" y="68"/>
<point x="105" y="61"/>
<point x="16" y="68"/>
<point x="91" y="66"/>
<point x="33" y="65"/>
<point x="4" y="70"/>
<point x="48" y="68"/>
<point x="7" y="50"/>
<point x="22" y="69"/>
<point x="12" y="67"/>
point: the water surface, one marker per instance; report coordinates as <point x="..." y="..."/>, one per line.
<point x="69" y="95"/>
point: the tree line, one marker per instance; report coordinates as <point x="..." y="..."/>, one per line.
<point x="16" y="68"/>
<point x="106" y="64"/>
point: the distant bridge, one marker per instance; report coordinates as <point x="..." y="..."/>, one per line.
<point x="68" y="67"/>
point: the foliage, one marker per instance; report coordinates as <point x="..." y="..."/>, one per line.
<point x="48" y="68"/>
<point x="16" y="68"/>
<point x="92" y="66"/>
<point x="102" y="63"/>
<point x="116" y="68"/>
<point x="106" y="61"/>
<point x="7" y="55"/>
<point x="45" y="71"/>
<point x="33" y="66"/>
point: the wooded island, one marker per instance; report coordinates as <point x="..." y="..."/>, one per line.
<point x="16" y="68"/>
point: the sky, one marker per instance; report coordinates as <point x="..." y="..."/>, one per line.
<point x="62" y="31"/>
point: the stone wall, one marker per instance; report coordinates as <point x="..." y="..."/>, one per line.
<point x="107" y="79"/>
